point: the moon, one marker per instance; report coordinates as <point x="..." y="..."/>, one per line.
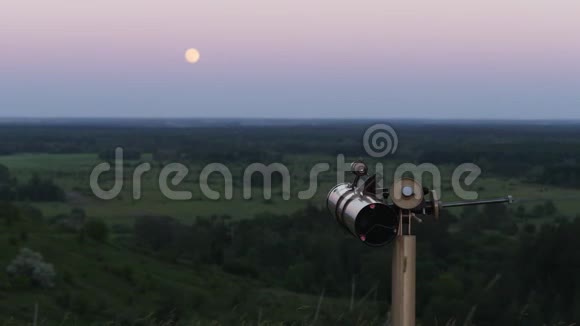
<point x="192" y="55"/>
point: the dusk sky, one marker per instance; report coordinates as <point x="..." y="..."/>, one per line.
<point x="491" y="59"/>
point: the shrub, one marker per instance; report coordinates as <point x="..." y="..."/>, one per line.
<point x="38" y="189"/>
<point x="97" y="230"/>
<point x="23" y="236"/>
<point x="530" y="228"/>
<point x="31" y="264"/>
<point x="121" y="229"/>
<point x="9" y="213"/>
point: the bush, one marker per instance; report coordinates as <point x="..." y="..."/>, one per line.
<point x="97" y="230"/>
<point x="9" y="213"/>
<point x="121" y="229"/>
<point x="23" y="236"/>
<point x="31" y="265"/>
<point x="509" y="228"/>
<point x="31" y="212"/>
<point x="530" y="228"/>
<point x="38" y="189"/>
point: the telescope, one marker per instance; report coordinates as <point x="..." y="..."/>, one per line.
<point x="379" y="216"/>
<point x="365" y="212"/>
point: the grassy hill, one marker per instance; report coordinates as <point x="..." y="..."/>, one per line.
<point x="99" y="283"/>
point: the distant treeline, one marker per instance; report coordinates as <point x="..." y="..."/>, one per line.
<point x="542" y="153"/>
<point x="36" y="189"/>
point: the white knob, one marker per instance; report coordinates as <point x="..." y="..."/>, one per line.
<point x="407" y="191"/>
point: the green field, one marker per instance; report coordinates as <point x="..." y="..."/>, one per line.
<point x="71" y="172"/>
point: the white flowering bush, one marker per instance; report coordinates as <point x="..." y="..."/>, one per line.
<point x="31" y="264"/>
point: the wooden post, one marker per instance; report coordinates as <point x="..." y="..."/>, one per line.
<point x="403" y="278"/>
<point x="35" y="320"/>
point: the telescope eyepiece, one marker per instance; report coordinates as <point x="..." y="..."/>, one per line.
<point x="359" y="168"/>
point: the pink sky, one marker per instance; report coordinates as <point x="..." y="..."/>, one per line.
<point x="485" y="45"/>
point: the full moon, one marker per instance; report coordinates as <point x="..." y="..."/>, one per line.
<point x="192" y="55"/>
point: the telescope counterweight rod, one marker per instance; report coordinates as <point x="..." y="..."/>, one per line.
<point x="478" y="202"/>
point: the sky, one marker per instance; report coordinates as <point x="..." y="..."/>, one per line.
<point x="492" y="59"/>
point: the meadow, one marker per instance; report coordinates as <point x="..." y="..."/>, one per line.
<point x="72" y="171"/>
